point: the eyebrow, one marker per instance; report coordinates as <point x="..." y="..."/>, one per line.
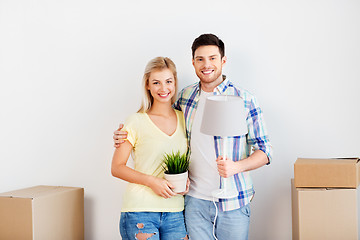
<point x="153" y="80"/>
<point x="215" y="55"/>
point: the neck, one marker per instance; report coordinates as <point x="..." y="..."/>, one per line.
<point x="210" y="86"/>
<point x="164" y="109"/>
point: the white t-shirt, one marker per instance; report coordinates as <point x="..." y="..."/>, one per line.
<point x="203" y="172"/>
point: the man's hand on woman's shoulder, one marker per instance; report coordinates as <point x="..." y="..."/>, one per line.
<point x="119" y="136"/>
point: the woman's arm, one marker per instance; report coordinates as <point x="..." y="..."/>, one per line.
<point x="119" y="169"/>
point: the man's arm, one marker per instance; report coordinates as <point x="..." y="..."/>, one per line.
<point x="257" y="139"/>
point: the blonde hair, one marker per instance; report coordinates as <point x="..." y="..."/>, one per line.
<point x="156" y="64"/>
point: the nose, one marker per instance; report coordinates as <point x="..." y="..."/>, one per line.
<point x="162" y="87"/>
<point x="207" y="63"/>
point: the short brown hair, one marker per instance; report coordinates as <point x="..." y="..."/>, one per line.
<point x="208" y="39"/>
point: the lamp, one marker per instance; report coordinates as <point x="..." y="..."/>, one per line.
<point x="224" y="116"/>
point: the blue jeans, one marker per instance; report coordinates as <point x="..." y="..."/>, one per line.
<point x="152" y="225"/>
<point x="199" y="218"/>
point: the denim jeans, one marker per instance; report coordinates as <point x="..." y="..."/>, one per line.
<point x="152" y="225"/>
<point x="199" y="218"/>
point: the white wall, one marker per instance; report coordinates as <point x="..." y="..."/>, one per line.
<point x="70" y="72"/>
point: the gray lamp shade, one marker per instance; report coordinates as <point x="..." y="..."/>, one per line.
<point x="224" y="116"/>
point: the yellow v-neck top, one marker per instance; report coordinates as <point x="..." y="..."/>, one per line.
<point x="149" y="146"/>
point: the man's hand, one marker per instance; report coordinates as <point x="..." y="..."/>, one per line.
<point x="119" y="136"/>
<point x="187" y="187"/>
<point x="227" y="167"/>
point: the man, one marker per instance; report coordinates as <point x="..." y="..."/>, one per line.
<point x="249" y="152"/>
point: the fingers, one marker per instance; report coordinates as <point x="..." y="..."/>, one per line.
<point x="118" y="140"/>
<point x="170" y="185"/>
<point x="169" y="189"/>
<point x="162" y="188"/>
<point x="221" y="159"/>
<point x="168" y="193"/>
<point x="223" y="167"/>
<point x="187" y="187"/>
<point x="223" y="174"/>
<point x="119" y="136"/>
<point x="220" y="163"/>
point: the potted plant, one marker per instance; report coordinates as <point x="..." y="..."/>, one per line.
<point x="176" y="166"/>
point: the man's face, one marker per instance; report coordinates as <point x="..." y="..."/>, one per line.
<point x="208" y="64"/>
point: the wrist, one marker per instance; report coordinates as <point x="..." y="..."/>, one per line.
<point x="239" y="166"/>
<point x="149" y="180"/>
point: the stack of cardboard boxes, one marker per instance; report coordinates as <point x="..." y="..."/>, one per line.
<point x="325" y="199"/>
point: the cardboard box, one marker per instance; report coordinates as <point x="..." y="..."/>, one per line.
<point x="341" y="173"/>
<point x="322" y="213"/>
<point x="42" y="213"/>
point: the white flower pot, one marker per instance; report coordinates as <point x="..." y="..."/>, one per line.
<point x="178" y="181"/>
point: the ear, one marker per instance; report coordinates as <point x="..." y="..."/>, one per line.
<point x="193" y="62"/>
<point x="223" y="60"/>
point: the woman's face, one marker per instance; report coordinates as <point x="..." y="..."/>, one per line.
<point x="162" y="85"/>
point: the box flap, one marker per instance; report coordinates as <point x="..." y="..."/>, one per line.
<point x="327" y="160"/>
<point x="36" y="192"/>
<point x="356" y="159"/>
<point x="26" y="192"/>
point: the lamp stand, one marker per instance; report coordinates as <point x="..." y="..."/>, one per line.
<point x="227" y="191"/>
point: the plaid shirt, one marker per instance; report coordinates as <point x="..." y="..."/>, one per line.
<point x="242" y="146"/>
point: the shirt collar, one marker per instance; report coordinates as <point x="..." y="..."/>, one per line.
<point x="219" y="89"/>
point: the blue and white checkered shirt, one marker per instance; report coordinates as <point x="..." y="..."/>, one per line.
<point x="242" y="146"/>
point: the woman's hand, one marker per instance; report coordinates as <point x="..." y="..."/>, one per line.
<point x="161" y="187"/>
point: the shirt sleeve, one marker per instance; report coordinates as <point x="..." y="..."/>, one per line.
<point x="177" y="105"/>
<point x="258" y="138"/>
<point x="130" y="126"/>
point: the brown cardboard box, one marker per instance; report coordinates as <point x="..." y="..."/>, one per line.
<point x="342" y="173"/>
<point x="326" y="214"/>
<point x="42" y="213"/>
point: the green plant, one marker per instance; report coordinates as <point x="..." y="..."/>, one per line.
<point x="175" y="163"/>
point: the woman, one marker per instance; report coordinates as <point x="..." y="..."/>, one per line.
<point x="150" y="208"/>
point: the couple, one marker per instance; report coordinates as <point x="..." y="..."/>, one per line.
<point x="151" y="210"/>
